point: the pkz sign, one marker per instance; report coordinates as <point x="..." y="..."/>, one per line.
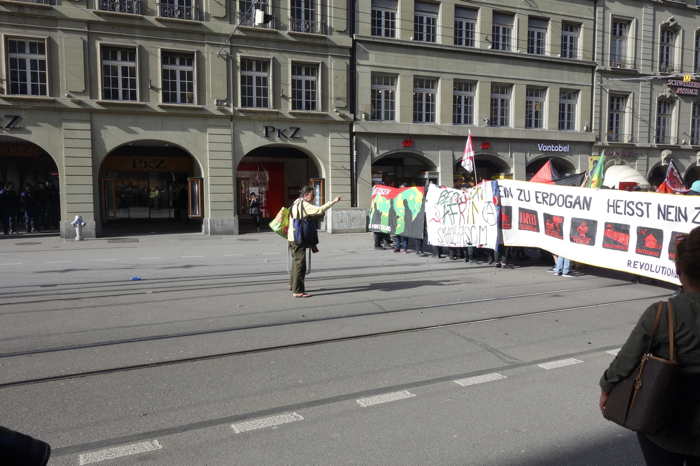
<point x="283" y="133"/>
<point x="553" y="147"/>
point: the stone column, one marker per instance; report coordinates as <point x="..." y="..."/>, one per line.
<point x="77" y="178"/>
<point x="219" y="184"/>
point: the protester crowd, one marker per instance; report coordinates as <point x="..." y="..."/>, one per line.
<point x="30" y="209"/>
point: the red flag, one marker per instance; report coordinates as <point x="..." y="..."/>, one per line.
<point x="546" y="174"/>
<point x="673" y="181"/>
<point x="468" y="157"/>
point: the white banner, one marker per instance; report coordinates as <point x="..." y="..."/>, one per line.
<point x="461" y="218"/>
<point x="633" y="232"/>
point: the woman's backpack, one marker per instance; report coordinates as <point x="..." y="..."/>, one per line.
<point x="305" y="228"/>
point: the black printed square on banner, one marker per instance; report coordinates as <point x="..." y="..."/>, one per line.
<point x="506" y="217"/>
<point x="554" y="226"/>
<point x="528" y="220"/>
<point x="616" y="236"/>
<point x="649" y="241"/>
<point x="583" y="231"/>
<point x="673" y="244"/>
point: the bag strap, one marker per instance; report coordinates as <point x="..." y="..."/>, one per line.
<point x="657" y="321"/>
<point x="671" y="334"/>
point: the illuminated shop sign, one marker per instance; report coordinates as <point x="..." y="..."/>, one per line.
<point x="553" y="147"/>
<point x="684" y="87"/>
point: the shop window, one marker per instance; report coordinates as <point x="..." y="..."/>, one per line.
<point x="569" y="40"/>
<point x="178" y="78"/>
<point x="568" y="100"/>
<point x="119" y="73"/>
<point x="384" y="18"/>
<point x="425" y="22"/>
<point x="383" y="97"/>
<point x="255" y="83"/>
<point x="534" y="107"/>
<point x="424" y="100"/>
<point x="463" y="102"/>
<point x="26" y="66"/>
<point x="502" y="32"/>
<point x="305" y="86"/>
<point x="195" y="198"/>
<point x="465" y="26"/>
<point x="537" y="35"/>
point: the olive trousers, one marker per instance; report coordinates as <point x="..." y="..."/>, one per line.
<point x="298" y="270"/>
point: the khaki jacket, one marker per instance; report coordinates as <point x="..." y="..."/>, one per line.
<point x="302" y="209"/>
<point x="684" y="435"/>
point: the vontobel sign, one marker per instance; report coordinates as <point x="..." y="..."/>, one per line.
<point x="553" y="148"/>
<point x="684" y="88"/>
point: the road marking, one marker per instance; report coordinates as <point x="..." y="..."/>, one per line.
<point x="613" y="352"/>
<point x="118" y="452"/>
<point x="559" y="363"/>
<point x="384" y="398"/>
<point x="264" y="422"/>
<point x="492" y="377"/>
<point x="191" y="257"/>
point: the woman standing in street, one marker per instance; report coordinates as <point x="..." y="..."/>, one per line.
<point x="679" y="443"/>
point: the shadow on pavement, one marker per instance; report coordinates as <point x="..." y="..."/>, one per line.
<point x="620" y="449"/>
<point x="384" y="286"/>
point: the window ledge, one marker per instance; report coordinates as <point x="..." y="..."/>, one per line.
<point x="29" y="4"/>
<point x="117" y="14"/>
<point x="257" y="110"/>
<point x="183" y="106"/>
<point x="259" y="29"/>
<point x="37" y="98"/>
<point x="306" y="34"/>
<point x="307" y="112"/>
<point x="122" y="102"/>
<point x="177" y="20"/>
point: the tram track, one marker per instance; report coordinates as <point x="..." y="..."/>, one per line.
<point x="321" y="341"/>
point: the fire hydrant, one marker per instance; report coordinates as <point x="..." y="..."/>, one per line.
<point x="78" y="224"/>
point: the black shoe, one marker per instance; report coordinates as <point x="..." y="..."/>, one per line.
<point x="498" y="265"/>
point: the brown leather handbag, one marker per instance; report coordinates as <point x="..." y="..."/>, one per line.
<point x="643" y="402"/>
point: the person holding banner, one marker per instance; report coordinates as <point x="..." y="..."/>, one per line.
<point x="679" y="443"/>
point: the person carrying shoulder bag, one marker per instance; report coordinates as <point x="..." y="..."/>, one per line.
<point x="677" y="442"/>
<point x="302" y="235"/>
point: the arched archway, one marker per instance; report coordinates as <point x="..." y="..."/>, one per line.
<point x="29" y="187"/>
<point x="562" y="166"/>
<point x="487" y="167"/>
<point x="403" y="167"/>
<point x="275" y="174"/>
<point x="151" y="186"/>
<point x="692" y="174"/>
<point x="657" y="174"/>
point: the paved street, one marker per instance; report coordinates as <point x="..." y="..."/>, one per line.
<point x="396" y="359"/>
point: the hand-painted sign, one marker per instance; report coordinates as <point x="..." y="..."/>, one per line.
<point x="461" y="218"/>
<point x="398" y="211"/>
<point x="633" y="232"/>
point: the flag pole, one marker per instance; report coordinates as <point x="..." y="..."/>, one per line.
<point x="476" y="180"/>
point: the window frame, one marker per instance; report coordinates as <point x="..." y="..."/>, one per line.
<point x="319" y="89"/>
<point x="534" y="118"/>
<point x="566" y="114"/>
<point x="696" y="65"/>
<point x="380" y="89"/>
<point x="463" y="99"/>
<point x="622" y="119"/>
<point x="622" y="60"/>
<point x="695" y="124"/>
<point x="315" y="22"/>
<point x="100" y="47"/>
<point x="383" y="21"/>
<point x="537" y="37"/>
<point x="425" y="33"/>
<point x="498" y="34"/>
<point x="425" y="92"/>
<point x="269" y="96"/>
<point x="250" y="21"/>
<point x="6" y="63"/>
<point x="195" y="57"/>
<point x="460" y="24"/>
<point x="570" y="36"/>
<point x="667" y="49"/>
<point x="508" y="105"/>
<point x="667" y="118"/>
